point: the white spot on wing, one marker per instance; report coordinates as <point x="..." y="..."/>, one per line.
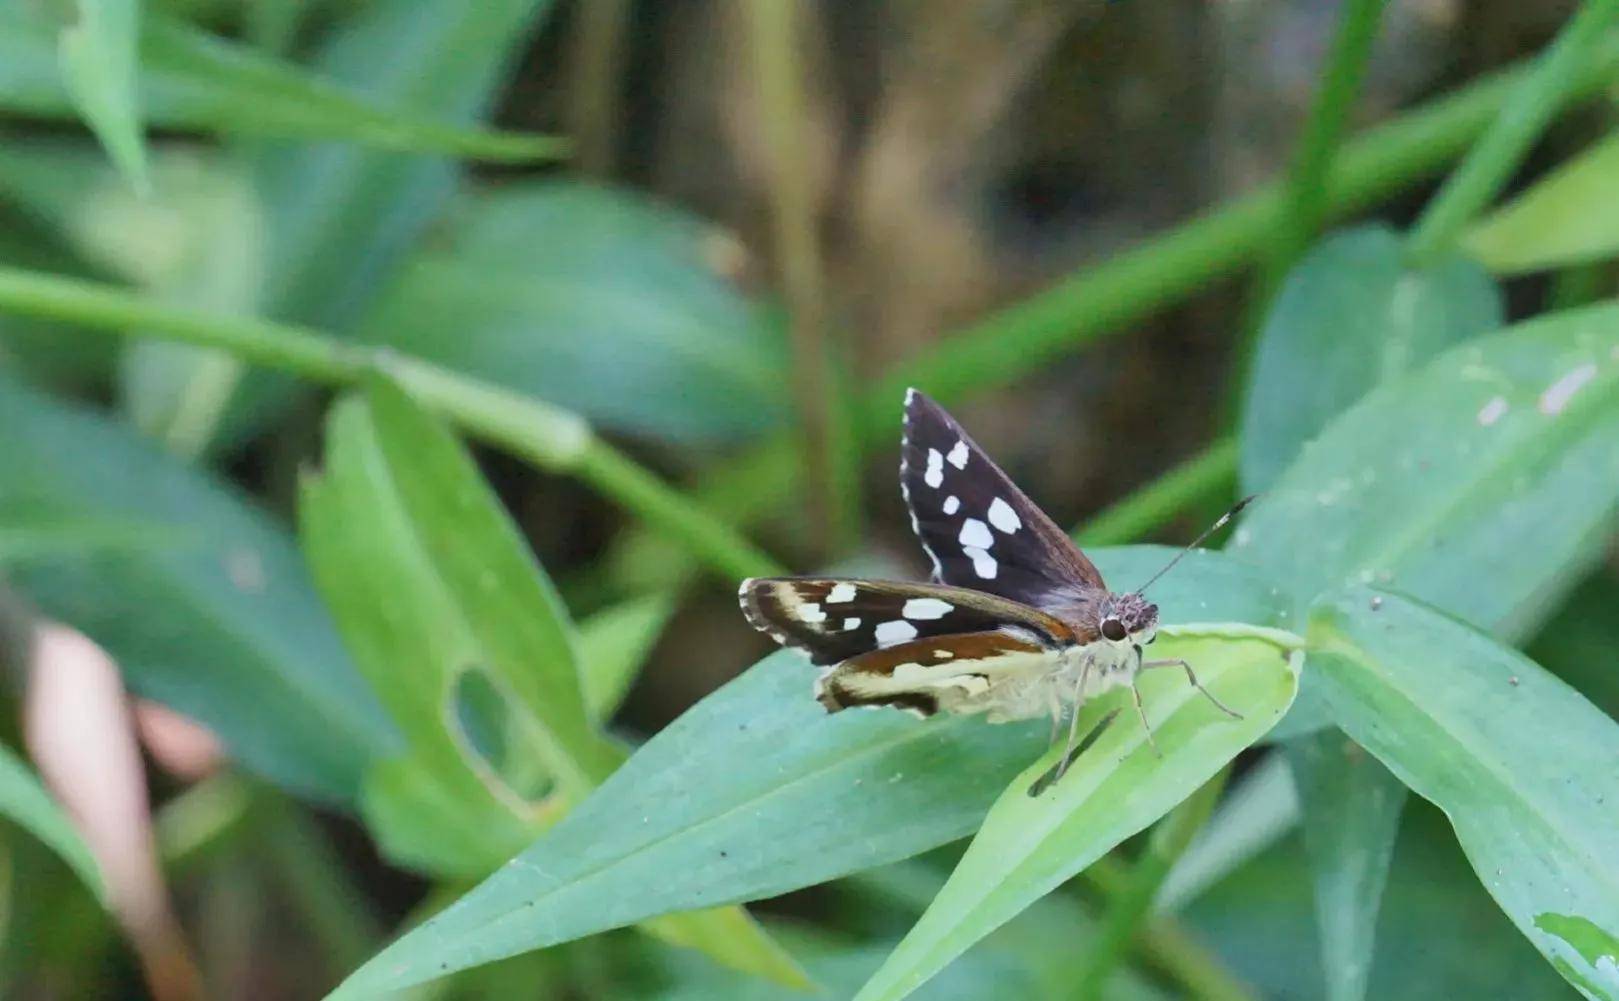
<point x="852" y="622"/>
<point x="958" y="455"/>
<point x="934" y="474"/>
<point x="1492" y="411"/>
<point x="811" y="612"/>
<point x="952" y="504"/>
<point x="943" y="654"/>
<point x="1557" y="395"/>
<point x="898" y="631"/>
<point x="1003" y="517"/>
<point x="923" y="609"/>
<point x="975" y="534"/>
<point x="984" y="565"/>
<point x="840" y="593"/>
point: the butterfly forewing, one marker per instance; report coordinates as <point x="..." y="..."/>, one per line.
<point x="978" y="528"/>
<point x="834" y="619"/>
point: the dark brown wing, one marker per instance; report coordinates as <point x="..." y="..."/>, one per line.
<point x="834" y="619"/>
<point x="978" y="528"/>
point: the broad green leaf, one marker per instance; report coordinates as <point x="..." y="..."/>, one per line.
<point x="1351" y="810"/>
<point x="1029" y="845"/>
<point x="1419" y="487"/>
<point x="223" y="625"/>
<point x="597" y="300"/>
<point x="1349" y="316"/>
<point x="1508" y="752"/>
<point x="341" y="218"/>
<point x="188" y="79"/>
<point x="1570" y="216"/>
<point x="26" y="802"/>
<point x="664" y="835"/>
<point x="613" y="644"/>
<point x="99" y="65"/>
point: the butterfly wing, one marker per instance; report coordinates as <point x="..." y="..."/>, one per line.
<point x="976" y="525"/>
<point x="922" y="647"/>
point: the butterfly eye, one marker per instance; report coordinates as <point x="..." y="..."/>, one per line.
<point x="1113" y="629"/>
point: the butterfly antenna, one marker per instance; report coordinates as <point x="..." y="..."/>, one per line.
<point x="1218" y="524"/>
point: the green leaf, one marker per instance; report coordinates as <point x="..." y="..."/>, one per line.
<point x="430" y="581"/>
<point x="25" y="801"/>
<point x="1599" y="949"/>
<point x="222" y="624"/>
<point x="188" y="79"/>
<point x="523" y="634"/>
<point x="596" y="300"/>
<point x="1349" y="316"/>
<point x="1570" y="216"/>
<point x="341" y="217"/>
<point x="1351" y="810"/>
<point x="1028" y="845"/>
<point x="1495" y="742"/>
<point x="1513" y="436"/>
<point x="719" y="808"/>
<point x="613" y="644"/>
<point x="100" y="69"/>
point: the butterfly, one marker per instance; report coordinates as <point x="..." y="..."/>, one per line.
<point x="1016" y="623"/>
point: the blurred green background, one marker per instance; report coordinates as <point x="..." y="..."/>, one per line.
<point x="670" y="266"/>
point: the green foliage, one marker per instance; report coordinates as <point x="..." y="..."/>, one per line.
<point x="1570" y="216"/>
<point x="1480" y="730"/>
<point x="1439" y="473"/>
<point x="229" y="629"/>
<point x="24" y="801"/>
<point x="596" y="300"/>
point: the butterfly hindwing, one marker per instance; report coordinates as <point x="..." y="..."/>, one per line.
<point x="835" y="619"/>
<point x="963" y="672"/>
<point x="978" y="528"/>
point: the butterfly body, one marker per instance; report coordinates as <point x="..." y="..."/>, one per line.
<point x="1016" y="624"/>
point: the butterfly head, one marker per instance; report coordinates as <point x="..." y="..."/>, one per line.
<point x="1128" y="619"/>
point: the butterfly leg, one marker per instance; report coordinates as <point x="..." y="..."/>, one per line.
<point x="1195" y="683"/>
<point x="1073" y="720"/>
<point x="1141" y="711"/>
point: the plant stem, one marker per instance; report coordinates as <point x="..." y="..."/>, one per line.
<point x="1127" y="910"/>
<point x="1319" y="142"/>
<point x="1104" y="299"/>
<point x="1211" y="471"/>
<point x="781" y="119"/>
<point x="547" y="436"/>
<point x="596" y="57"/>
<point x="1557" y="75"/>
